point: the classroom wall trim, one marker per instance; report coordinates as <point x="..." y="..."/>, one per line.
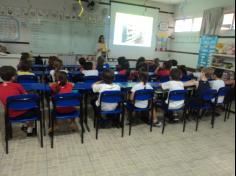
<point x="11" y="42"/>
<point x="182" y="52"/>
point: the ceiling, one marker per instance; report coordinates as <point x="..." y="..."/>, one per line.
<point x="169" y="1"/>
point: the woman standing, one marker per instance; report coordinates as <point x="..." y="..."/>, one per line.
<point x="102" y="49"/>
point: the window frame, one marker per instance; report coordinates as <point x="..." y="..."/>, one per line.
<point x="232" y="27"/>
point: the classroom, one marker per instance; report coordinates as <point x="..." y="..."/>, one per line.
<point x="117" y="88"/>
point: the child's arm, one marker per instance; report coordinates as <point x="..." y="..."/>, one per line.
<point x="190" y="83"/>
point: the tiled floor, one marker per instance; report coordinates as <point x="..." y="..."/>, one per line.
<point x="209" y="152"/>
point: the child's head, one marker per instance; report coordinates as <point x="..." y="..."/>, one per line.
<point x="88" y="66"/>
<point x="51" y="60"/>
<point x="25" y="57"/>
<point x="206" y="73"/>
<point x="101" y="39"/>
<point x="100" y="62"/>
<point x="143" y="76"/>
<point x="82" y="61"/>
<point x="174" y="63"/>
<point x="167" y="65"/>
<point x="57" y="64"/>
<point x="183" y="69"/>
<point x="8" y="73"/>
<point x="108" y="76"/>
<point x="157" y="62"/>
<point x="121" y="60"/>
<point x="25" y="66"/>
<point x="175" y="74"/>
<point x="218" y="73"/>
<point x="61" y="78"/>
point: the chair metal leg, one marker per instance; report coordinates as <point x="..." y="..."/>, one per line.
<point x="52" y="133"/>
<point x="229" y="109"/>
<point x="123" y="124"/>
<point x="184" y="122"/>
<point x="97" y="126"/>
<point x="226" y="111"/>
<point x="164" y="124"/>
<point x="130" y="122"/>
<point x="82" y="129"/>
<point x="151" y="123"/>
<point x="197" y="120"/>
<point x="36" y="127"/>
<point x="6" y="136"/>
<point x="41" y="132"/>
<point x="213" y="117"/>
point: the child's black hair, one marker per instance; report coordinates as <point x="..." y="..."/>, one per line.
<point x="108" y="76"/>
<point x="174" y="63"/>
<point x="82" y="61"/>
<point x="167" y="65"/>
<point x="175" y="74"/>
<point x="88" y="66"/>
<point x="143" y="76"/>
<point x="218" y="73"/>
<point x="140" y="61"/>
<point x="7" y="73"/>
<point x="61" y="79"/>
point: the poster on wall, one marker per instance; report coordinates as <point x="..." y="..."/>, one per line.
<point x="162" y="41"/>
<point x="207" y="48"/>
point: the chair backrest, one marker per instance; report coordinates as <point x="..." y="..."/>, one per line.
<point x="187" y="78"/>
<point x="178" y="95"/>
<point x="121" y="78"/>
<point x="23" y="102"/>
<point x="209" y="95"/>
<point x="111" y="97"/>
<point x="91" y="79"/>
<point x="164" y="79"/>
<point x="67" y="100"/>
<point x="223" y="91"/>
<point x="38" y="67"/>
<point x="27" y="79"/>
<point x="144" y="95"/>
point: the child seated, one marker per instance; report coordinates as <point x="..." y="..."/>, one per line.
<point x="10" y="88"/>
<point x="165" y="70"/>
<point x="57" y="66"/>
<point x="106" y="85"/>
<point x="89" y="71"/>
<point x="218" y="83"/>
<point x="174" y="64"/>
<point x="172" y="85"/>
<point x="123" y="66"/>
<point x="60" y="86"/>
<point x="143" y="77"/>
<point x="24" y="68"/>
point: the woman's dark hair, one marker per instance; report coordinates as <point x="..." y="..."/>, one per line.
<point x="140" y="61"/>
<point x="143" y="76"/>
<point x="175" y="74"/>
<point x="88" y="66"/>
<point x="24" y="66"/>
<point x="100" y="63"/>
<point x="100" y="38"/>
<point x="7" y="72"/>
<point x="108" y="76"/>
<point x="61" y="80"/>
<point x="82" y="61"/>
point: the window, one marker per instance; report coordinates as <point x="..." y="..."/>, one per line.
<point x="188" y="25"/>
<point x="228" y="22"/>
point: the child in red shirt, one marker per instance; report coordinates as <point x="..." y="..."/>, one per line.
<point x="165" y="70"/>
<point x="63" y="86"/>
<point x="10" y="88"/>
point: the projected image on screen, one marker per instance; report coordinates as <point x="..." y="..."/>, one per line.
<point x="133" y="30"/>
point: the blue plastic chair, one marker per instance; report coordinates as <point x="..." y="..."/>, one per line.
<point x="91" y="79"/>
<point x="141" y="95"/>
<point x="110" y="97"/>
<point x="36" y="67"/>
<point x="177" y="95"/>
<point x="187" y="78"/>
<point x="75" y="76"/>
<point x="223" y="92"/>
<point x="207" y="104"/>
<point x="27" y="79"/>
<point x="64" y="101"/>
<point x="121" y="78"/>
<point x="229" y="98"/>
<point x="164" y="79"/>
<point x="27" y="102"/>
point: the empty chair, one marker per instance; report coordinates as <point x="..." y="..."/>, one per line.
<point x="28" y="103"/>
<point x="67" y="100"/>
<point x="220" y="99"/>
<point x="141" y="95"/>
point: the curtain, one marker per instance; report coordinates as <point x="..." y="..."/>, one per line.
<point x="212" y="21"/>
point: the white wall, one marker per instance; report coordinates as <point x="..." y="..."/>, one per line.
<point x="54" y="5"/>
<point x="189" y="42"/>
